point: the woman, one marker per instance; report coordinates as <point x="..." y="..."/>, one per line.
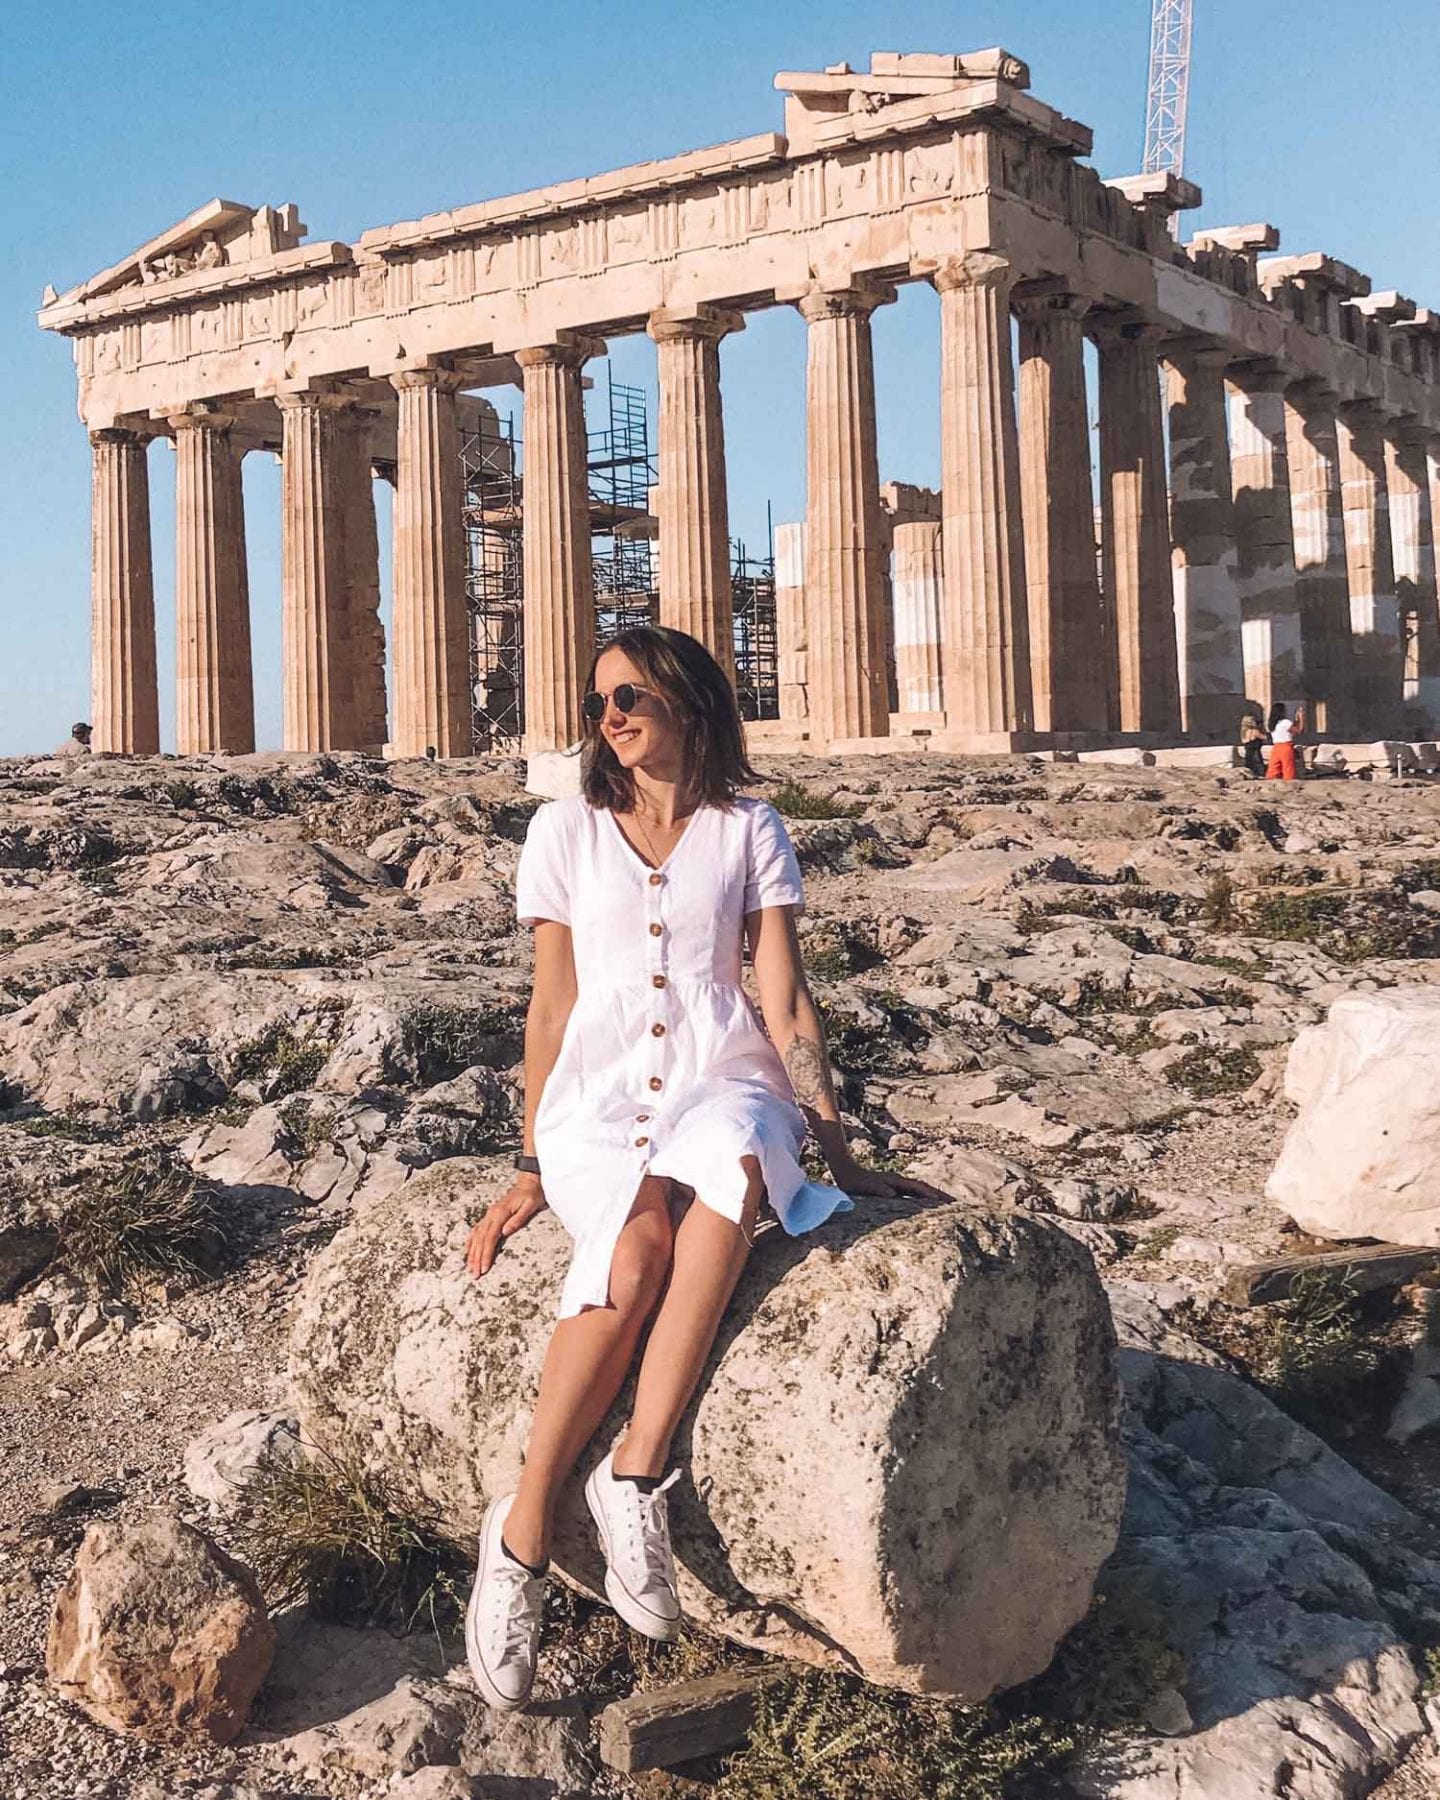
<point x="1282" y="746"/>
<point x="658" y="1114"/>
<point x="1252" y="745"/>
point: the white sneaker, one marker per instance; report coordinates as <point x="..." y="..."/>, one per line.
<point x="502" y="1621"/>
<point x="635" y="1536"/>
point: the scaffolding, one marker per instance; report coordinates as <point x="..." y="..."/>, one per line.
<point x="620" y="474"/>
<point x="757" y="649"/>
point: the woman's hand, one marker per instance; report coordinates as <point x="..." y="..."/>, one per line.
<point x="516" y="1207"/>
<point x="855" y="1179"/>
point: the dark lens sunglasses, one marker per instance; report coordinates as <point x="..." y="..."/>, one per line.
<point x="624" y="696"/>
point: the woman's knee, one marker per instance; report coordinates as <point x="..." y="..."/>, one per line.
<point x="641" y="1264"/>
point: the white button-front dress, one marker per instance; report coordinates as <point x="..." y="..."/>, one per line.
<point x="665" y="1068"/>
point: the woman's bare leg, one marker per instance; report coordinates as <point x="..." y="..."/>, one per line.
<point x="585" y="1367"/>
<point x="709" y="1255"/>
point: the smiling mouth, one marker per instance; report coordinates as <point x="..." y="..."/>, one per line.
<point x="625" y="736"/>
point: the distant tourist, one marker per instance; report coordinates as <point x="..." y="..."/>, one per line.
<point x="660" y="1116"/>
<point x="1252" y="745"/>
<point x="1282" y="746"/>
<point x="78" y="742"/>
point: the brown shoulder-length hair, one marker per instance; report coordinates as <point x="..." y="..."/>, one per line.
<point x="695" y="687"/>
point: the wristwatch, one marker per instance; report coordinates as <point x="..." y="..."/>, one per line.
<point x="528" y="1165"/>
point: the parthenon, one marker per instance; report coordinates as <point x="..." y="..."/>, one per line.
<point x="1256" y="526"/>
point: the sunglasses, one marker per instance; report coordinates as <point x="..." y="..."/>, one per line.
<point x="594" y="704"/>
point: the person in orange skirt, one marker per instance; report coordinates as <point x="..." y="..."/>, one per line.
<point x="1282" y="747"/>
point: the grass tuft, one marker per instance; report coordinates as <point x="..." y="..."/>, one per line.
<point x="278" y="1061"/>
<point x="145" y="1216"/>
<point x="796" y="801"/>
<point x="351" y="1546"/>
<point x="1316" y="1356"/>
<point x="1206" y="1071"/>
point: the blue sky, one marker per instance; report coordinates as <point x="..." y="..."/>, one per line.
<point x="116" y="121"/>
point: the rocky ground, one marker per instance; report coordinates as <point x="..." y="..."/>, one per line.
<point x="1069" y="986"/>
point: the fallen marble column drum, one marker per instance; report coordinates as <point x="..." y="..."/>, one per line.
<point x="904" y="1458"/>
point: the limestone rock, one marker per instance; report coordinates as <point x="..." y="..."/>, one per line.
<point x="544" y="1750"/>
<point x="223" y="1458"/>
<point x="159" y="1632"/>
<point x="418" y="1723"/>
<point x="1287" y="1581"/>
<point x="1363" y="1157"/>
<point x="937" y="1424"/>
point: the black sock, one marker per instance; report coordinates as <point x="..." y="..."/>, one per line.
<point x="647" y="1484"/>
<point x="529" y="1568"/>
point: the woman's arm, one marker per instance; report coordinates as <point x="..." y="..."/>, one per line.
<point x="551" y="1001"/>
<point x="795" y="1030"/>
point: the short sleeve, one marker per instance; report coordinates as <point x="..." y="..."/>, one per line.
<point x="772" y="873"/>
<point x="542" y="889"/>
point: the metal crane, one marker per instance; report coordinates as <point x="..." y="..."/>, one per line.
<point x="1169" y="90"/>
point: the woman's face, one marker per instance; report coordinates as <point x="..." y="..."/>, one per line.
<point x="647" y="736"/>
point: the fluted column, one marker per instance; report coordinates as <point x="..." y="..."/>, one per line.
<point x="985" y="638"/>
<point x="845" y="625"/>
<point x="693" y="508"/>
<point x="1210" y="659"/>
<point x="1067" y="637"/>
<point x="1412" y="536"/>
<point x="430" y="666"/>
<point x="1322" y="589"/>
<point x="1136" y="530"/>
<point x="1369" y="559"/>
<point x="315" y="628"/>
<point x="792" y="650"/>
<point x="917" y="575"/>
<point x="369" y="728"/>
<point x="1264" y="536"/>
<point x="124" y="702"/>
<point x="559" y="575"/>
<point x="214" y="689"/>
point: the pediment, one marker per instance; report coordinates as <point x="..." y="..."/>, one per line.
<point x="216" y="235"/>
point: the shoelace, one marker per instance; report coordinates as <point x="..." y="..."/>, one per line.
<point x="650" y="1520"/>
<point x="513" y="1621"/>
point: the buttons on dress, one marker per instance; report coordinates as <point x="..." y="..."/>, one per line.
<point x="655" y="930"/>
<point x="657" y="981"/>
<point x="657" y="1031"/>
<point x="642" y="1118"/>
<point x="641" y="1142"/>
<point x="656" y="879"/>
<point x="656" y="1083"/>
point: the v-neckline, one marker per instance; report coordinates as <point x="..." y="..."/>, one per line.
<point x="660" y="867"/>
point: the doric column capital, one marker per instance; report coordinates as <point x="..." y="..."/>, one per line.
<point x="445" y="381"/>
<point x="668" y="325"/>
<point x="199" y="417"/>
<point x="971" y="269"/>
<point x="118" y="434"/>
<point x="1260" y="377"/>
<point x="858" y="300"/>
<point x="1307" y="394"/>
<point x="570" y="350"/>
<point x="1362" y="414"/>
<point x="1411" y="432"/>
<point x="1038" y="305"/>
<point x="1116" y="329"/>
<point x="1197" y="353"/>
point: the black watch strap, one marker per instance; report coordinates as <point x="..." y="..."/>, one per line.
<point x="528" y="1165"/>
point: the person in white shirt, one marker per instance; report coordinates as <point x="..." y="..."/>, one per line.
<point x="1282" y="747"/>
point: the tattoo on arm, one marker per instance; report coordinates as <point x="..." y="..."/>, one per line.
<point x="809" y="1074"/>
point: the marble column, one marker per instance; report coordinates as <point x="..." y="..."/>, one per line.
<point x="559" y="575"/>
<point x="1203" y="556"/>
<point x="1067" y="635"/>
<point x="985" y="638"/>
<point x="214" y="688"/>
<point x="693" y="508"/>
<point x="1322" y="588"/>
<point x="430" y="652"/>
<point x="917" y="596"/>
<point x="362" y="557"/>
<point x="1369" y="559"/>
<point x="845" y="624"/>
<point x="124" y="701"/>
<point x="1136" y="530"/>
<point x="792" y="654"/>
<point x="1264" y="536"/>
<point x="1412" y="537"/>
<point x="316" y="645"/>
